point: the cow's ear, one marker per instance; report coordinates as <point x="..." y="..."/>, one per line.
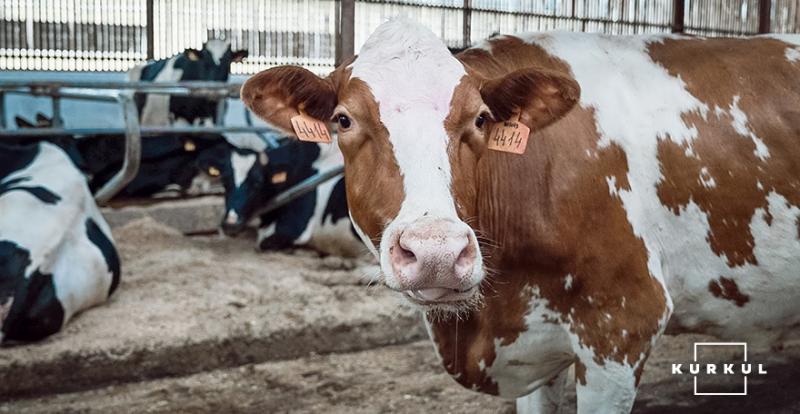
<point x="239" y="55"/>
<point x="192" y="54"/>
<point x="22" y="122"/>
<point x="540" y="96"/>
<point x="42" y="121"/>
<point x="210" y="163"/>
<point x="278" y="94"/>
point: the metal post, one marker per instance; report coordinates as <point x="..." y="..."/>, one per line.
<point x="58" y="121"/>
<point x="150" y="29"/>
<point x="764" y="16"/>
<point x="678" y="9"/>
<point x="2" y="110"/>
<point x="133" y="152"/>
<point x="467" y="15"/>
<point x="222" y="106"/>
<point x="337" y="37"/>
<point x="345" y="45"/>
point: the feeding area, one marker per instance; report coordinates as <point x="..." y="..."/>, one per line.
<point x="399" y="206"/>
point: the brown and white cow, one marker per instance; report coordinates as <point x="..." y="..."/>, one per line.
<point x="661" y="182"/>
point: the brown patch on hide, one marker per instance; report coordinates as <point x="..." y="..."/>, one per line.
<point x="751" y="74"/>
<point x="727" y="289"/>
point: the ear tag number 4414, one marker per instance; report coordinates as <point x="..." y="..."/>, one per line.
<point x="509" y="136"/>
<point x="310" y="129"/>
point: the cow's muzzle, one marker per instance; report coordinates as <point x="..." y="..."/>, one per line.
<point x="435" y="261"/>
<point x="232" y="224"/>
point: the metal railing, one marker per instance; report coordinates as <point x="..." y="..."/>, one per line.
<point x="118" y="93"/>
<point x="299" y="190"/>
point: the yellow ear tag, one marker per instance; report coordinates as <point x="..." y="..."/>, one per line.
<point x="309" y="129"/>
<point x="213" y="171"/>
<point x="509" y="136"/>
<point x="189" y="146"/>
<point x="279" y="178"/>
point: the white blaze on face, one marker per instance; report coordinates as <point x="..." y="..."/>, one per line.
<point x="217" y="48"/>
<point x="412" y="76"/>
<point x="241" y="165"/>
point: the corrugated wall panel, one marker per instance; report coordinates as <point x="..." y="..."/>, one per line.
<point x="111" y="35"/>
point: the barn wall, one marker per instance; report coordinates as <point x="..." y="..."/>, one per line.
<point x="112" y="35"/>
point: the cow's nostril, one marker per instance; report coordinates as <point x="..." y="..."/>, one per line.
<point x="467" y="257"/>
<point x="407" y="254"/>
<point x="401" y="255"/>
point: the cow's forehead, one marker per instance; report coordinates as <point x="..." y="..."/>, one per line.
<point x="408" y="68"/>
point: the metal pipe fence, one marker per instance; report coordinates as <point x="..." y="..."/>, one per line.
<point x="115" y="92"/>
<point x="118" y="93"/>
<point x="113" y="35"/>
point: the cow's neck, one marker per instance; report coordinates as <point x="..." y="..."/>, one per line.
<point x="563" y="241"/>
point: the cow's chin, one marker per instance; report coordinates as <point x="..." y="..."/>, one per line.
<point x="444" y="304"/>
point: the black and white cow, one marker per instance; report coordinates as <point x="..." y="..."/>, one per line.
<point x="57" y="256"/>
<point x="211" y="63"/>
<point x="168" y="162"/>
<point x="318" y="219"/>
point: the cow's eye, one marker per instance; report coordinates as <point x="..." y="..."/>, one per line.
<point x="480" y="121"/>
<point x="343" y="121"/>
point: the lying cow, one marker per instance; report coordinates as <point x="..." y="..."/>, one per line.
<point x="661" y="183"/>
<point x="211" y="63"/>
<point x="169" y="163"/>
<point x="57" y="256"/>
<point x="317" y="219"/>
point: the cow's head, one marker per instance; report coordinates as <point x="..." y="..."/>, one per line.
<point x="251" y="178"/>
<point x="212" y="62"/>
<point x="413" y="123"/>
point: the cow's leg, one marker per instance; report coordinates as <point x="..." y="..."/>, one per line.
<point x="607" y="388"/>
<point x="545" y="400"/>
<point x="293" y="224"/>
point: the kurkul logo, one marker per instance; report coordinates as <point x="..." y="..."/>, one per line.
<point x="698" y="368"/>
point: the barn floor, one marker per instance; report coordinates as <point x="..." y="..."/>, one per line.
<point x="206" y="325"/>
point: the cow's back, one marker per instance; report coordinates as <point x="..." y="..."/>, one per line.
<point x="50" y="217"/>
<point x="682" y="161"/>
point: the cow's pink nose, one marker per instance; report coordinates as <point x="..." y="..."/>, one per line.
<point x="433" y="254"/>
